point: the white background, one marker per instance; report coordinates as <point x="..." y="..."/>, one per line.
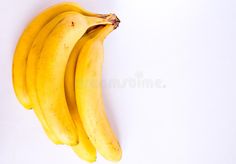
<point x="189" y="118"/>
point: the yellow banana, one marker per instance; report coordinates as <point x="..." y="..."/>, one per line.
<point x="33" y="58"/>
<point x="51" y="69"/>
<point x="85" y="150"/>
<point x="26" y="40"/>
<point x="89" y="96"/>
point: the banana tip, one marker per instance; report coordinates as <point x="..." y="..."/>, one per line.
<point x="114" y="20"/>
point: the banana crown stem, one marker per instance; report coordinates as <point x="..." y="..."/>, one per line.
<point x="103" y="32"/>
<point x="111" y="19"/>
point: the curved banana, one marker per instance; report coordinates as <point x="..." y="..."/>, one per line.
<point x="89" y="96"/>
<point x="33" y="58"/>
<point x="85" y="150"/>
<point x="51" y="69"/>
<point x="26" y="40"/>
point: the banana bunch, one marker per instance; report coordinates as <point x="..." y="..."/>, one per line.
<point x="57" y="70"/>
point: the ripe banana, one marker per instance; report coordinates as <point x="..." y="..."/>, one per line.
<point x="85" y="150"/>
<point x="57" y="69"/>
<point x="89" y="96"/>
<point x="50" y="73"/>
<point x="26" y="40"/>
<point x="33" y="57"/>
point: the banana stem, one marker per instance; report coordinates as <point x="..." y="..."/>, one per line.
<point x="114" y="20"/>
<point x="103" y="33"/>
<point x="111" y="19"/>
